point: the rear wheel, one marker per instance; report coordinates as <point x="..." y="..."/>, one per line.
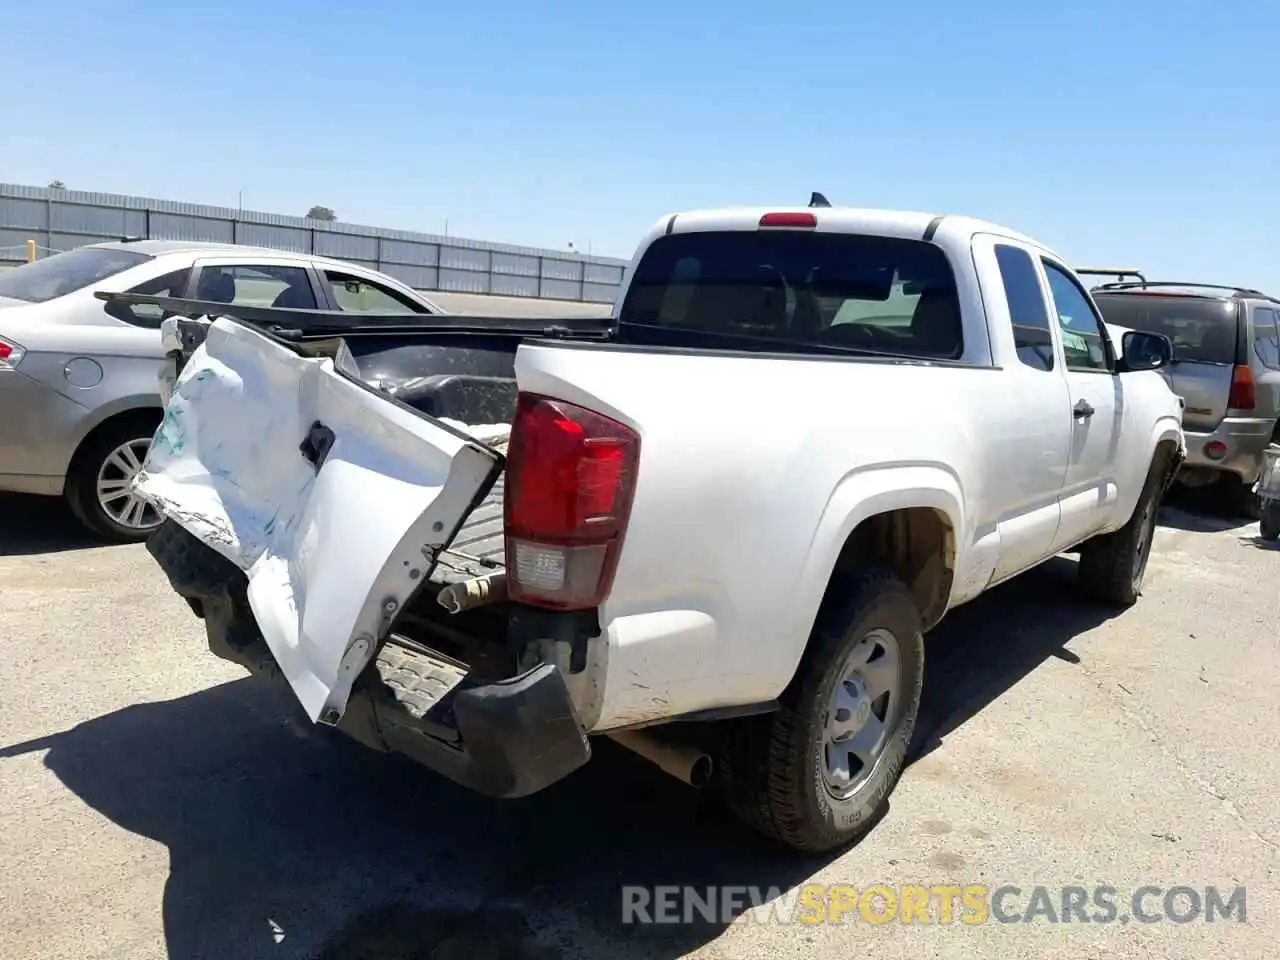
<point x="817" y="774"/>
<point x="1238" y="497"/>
<point x="98" y="486"/>
<point x="1269" y="525"/>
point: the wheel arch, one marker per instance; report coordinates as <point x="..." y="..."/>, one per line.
<point x="905" y="519"/>
<point x="142" y="410"/>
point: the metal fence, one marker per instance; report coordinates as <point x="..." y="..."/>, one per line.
<point x="59" y="220"/>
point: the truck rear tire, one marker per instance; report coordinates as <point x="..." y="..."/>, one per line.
<point x="1112" y="566"/>
<point x="853" y="703"/>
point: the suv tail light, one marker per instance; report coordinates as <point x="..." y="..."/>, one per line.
<point x="571" y="476"/>
<point x="1243" y="394"/>
<point x="10" y="354"/>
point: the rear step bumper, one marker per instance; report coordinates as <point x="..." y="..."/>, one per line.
<point x="516" y="736"/>
<point x="508" y="739"/>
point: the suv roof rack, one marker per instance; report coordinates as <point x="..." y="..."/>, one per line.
<point x="1145" y="284"/>
<point x="1118" y="272"/>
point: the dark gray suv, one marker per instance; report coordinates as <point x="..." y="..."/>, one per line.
<point x="1226" y="369"/>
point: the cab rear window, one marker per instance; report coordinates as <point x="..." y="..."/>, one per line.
<point x="785" y="290"/>
<point x="63" y="273"/>
<point x="1202" y="330"/>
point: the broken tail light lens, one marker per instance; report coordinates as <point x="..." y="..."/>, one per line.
<point x="570" y="481"/>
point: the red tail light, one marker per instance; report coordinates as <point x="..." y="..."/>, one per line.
<point x="10" y="354"/>
<point x="789" y="220"/>
<point x="1243" y="394"/>
<point x="571" y="476"/>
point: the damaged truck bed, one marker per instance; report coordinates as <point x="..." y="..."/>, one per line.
<point x="394" y="550"/>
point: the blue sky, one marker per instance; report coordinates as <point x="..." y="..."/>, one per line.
<point x="1142" y="133"/>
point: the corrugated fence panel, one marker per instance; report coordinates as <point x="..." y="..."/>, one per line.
<point x="175" y="226"/>
<point x="515" y="264"/>
<point x="506" y="285"/>
<point x="81" y="218"/>
<point x="13" y="243"/>
<point x="599" y="292"/>
<point x="15" y="212"/>
<point x="420" y="278"/>
<point x="69" y="241"/>
<point x="65" y="219"/>
<point x="463" y="281"/>
<point x="408" y="251"/>
<point x="560" y="289"/>
<point x="279" y="238"/>
<point x="562" y="269"/>
<point x="346" y="246"/>
<point x="602" y="273"/>
<point x="457" y="258"/>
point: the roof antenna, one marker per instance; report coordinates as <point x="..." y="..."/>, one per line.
<point x="818" y="200"/>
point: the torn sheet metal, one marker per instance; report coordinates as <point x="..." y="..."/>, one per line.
<point x="330" y="552"/>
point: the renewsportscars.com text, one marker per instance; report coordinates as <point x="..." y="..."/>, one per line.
<point x="969" y="904"/>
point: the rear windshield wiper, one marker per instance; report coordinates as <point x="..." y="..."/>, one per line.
<point x="290" y="323"/>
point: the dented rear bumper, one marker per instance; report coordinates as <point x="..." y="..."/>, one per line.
<point x="513" y="737"/>
<point x="503" y="739"/>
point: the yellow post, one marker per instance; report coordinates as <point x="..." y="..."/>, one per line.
<point x="31" y="251"/>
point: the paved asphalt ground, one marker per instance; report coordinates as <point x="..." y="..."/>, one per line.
<point x="154" y="802"/>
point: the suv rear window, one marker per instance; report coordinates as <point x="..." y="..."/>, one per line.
<point x="64" y="273"/>
<point x="1201" y="329"/>
<point x="791" y="288"/>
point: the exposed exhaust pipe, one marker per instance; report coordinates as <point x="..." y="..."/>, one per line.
<point x="470" y="594"/>
<point x="686" y="763"/>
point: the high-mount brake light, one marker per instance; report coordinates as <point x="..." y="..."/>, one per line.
<point x="785" y="219"/>
<point x="570" y="480"/>
<point x="1244" y="395"/>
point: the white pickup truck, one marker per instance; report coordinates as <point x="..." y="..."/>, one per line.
<point x="715" y="529"/>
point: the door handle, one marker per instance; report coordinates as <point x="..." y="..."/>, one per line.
<point x="1083" y="409"/>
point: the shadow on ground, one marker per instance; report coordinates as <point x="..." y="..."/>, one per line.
<point x="289" y="843"/>
<point x="35" y="525"/>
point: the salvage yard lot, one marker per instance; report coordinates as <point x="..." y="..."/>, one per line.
<point x="155" y="802"/>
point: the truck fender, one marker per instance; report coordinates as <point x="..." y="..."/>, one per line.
<point x="861" y="494"/>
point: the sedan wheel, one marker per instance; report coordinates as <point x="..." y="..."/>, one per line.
<point x="99" y="487"/>
<point x="115" y="488"/>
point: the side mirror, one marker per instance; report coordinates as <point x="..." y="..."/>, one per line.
<point x="1145" y="351"/>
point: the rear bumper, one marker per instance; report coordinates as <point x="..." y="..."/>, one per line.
<point x="514" y="737"/>
<point x="507" y="739"/>
<point x="1245" y="440"/>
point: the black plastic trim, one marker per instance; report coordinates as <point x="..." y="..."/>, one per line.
<point x="798" y="355"/>
<point x="932" y="228"/>
<point x="519" y="736"/>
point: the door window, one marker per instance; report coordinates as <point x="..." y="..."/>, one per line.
<point x="354" y="294"/>
<point x="1266" y="336"/>
<point x="1083" y="344"/>
<point x="264" y="285"/>
<point x="1027" y="310"/>
<point x="172" y="284"/>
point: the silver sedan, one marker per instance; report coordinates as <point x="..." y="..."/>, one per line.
<point x="79" y="391"/>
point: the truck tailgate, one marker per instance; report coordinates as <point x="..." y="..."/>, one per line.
<point x="335" y="499"/>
